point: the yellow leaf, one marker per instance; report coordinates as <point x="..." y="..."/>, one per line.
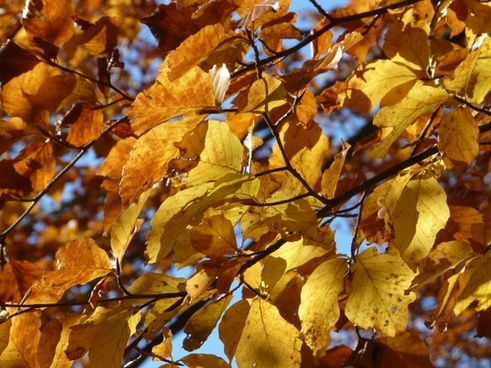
<point x="195" y="49"/>
<point x="86" y="123"/>
<point x="150" y="157"/>
<point x="374" y="80"/>
<point x="222" y="152"/>
<point x="473" y="75"/>
<point x="36" y="162"/>
<point x="458" y="138"/>
<point x="101" y="38"/>
<point x="478" y="286"/>
<point x="104" y="335"/>
<point x="262" y="96"/>
<point x="125" y="226"/>
<point x="23" y="340"/>
<point x="48" y="20"/>
<point x="330" y="177"/>
<point x="164" y="349"/>
<point x="421" y="99"/>
<point x="444" y="257"/>
<point x="157" y="283"/>
<point x="377" y="299"/>
<point x="305" y="148"/>
<point x="54" y="341"/>
<point x="202" y="323"/>
<point x="319" y="309"/>
<point x="214" y="237"/>
<point x="408" y="46"/>
<point x="166" y="99"/>
<point x="81" y="261"/>
<point x="420" y="213"/>
<point x="255" y="333"/>
<point x="204" y="361"/>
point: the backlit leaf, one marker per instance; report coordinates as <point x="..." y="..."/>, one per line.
<point x="150" y="156"/>
<point x="421" y="211"/>
<point x="458" y="138"/>
<point x="23" y="341"/>
<point x="319" y="309"/>
<point x="214" y="237"/>
<point x="377" y="298"/>
<point x="103" y="335"/>
<point x="80" y="262"/>
<point x="186" y="208"/>
<point x="262" y="96"/>
<point x="101" y="38"/>
<point x="201" y="324"/>
<point x="166" y="99"/>
<point x="256" y="335"/>
<point x="420" y="100"/>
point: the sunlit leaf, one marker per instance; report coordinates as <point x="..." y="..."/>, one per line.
<point x="214" y="237"/>
<point x="23" y="339"/>
<point x="101" y="38"/>
<point x="421" y="99"/>
<point x="80" y="262"/>
<point x="186" y="208"/>
<point x="103" y="335"/>
<point x="421" y="211"/>
<point x="262" y="96"/>
<point x="256" y="335"/>
<point x="204" y="360"/>
<point x="150" y="156"/>
<point x="377" y="298"/>
<point x="166" y="99"/>
<point x="458" y="138"/>
<point x="201" y="324"/>
<point x="319" y="309"/>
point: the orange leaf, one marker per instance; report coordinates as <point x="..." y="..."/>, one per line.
<point x="101" y="38"/>
<point x="81" y="261"/>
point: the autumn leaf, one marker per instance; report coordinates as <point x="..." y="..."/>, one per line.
<point x="377" y="297"/>
<point x="420" y="100"/>
<point x="458" y="138"/>
<point x="23" y="338"/>
<point x="319" y="309"/>
<point x="80" y="261"/>
<point x="262" y="96"/>
<point x="253" y="341"/>
<point x="421" y="211"/>
<point x="183" y="209"/>
<point x="103" y="335"/>
<point x="166" y="99"/>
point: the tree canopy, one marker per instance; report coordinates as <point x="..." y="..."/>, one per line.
<point x="184" y="166"/>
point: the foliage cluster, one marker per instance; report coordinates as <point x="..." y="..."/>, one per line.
<point x="223" y="150"/>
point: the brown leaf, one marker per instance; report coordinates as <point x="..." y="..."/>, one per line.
<point x="86" y="123"/>
<point x="14" y="61"/>
<point x="49" y="21"/>
<point x="101" y="38"/>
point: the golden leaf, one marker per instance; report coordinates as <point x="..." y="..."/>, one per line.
<point x="262" y="96"/>
<point x="421" y="211"/>
<point x="166" y="99"/>
<point x="374" y="80"/>
<point x="202" y="323"/>
<point x="22" y="341"/>
<point x="472" y="76"/>
<point x="186" y="208"/>
<point x="377" y="299"/>
<point x="204" y="361"/>
<point x="164" y="349"/>
<point x="150" y="156"/>
<point x="330" y="177"/>
<point x="86" y="122"/>
<point x="255" y="333"/>
<point x="81" y="261"/>
<point x="214" y="237"/>
<point x="104" y="335"/>
<point x="101" y="38"/>
<point x="48" y="20"/>
<point x="222" y="153"/>
<point x="421" y="99"/>
<point x="476" y="279"/>
<point x="125" y="226"/>
<point x="408" y="46"/>
<point x="458" y="138"/>
<point x="319" y="309"/>
<point x="195" y="49"/>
